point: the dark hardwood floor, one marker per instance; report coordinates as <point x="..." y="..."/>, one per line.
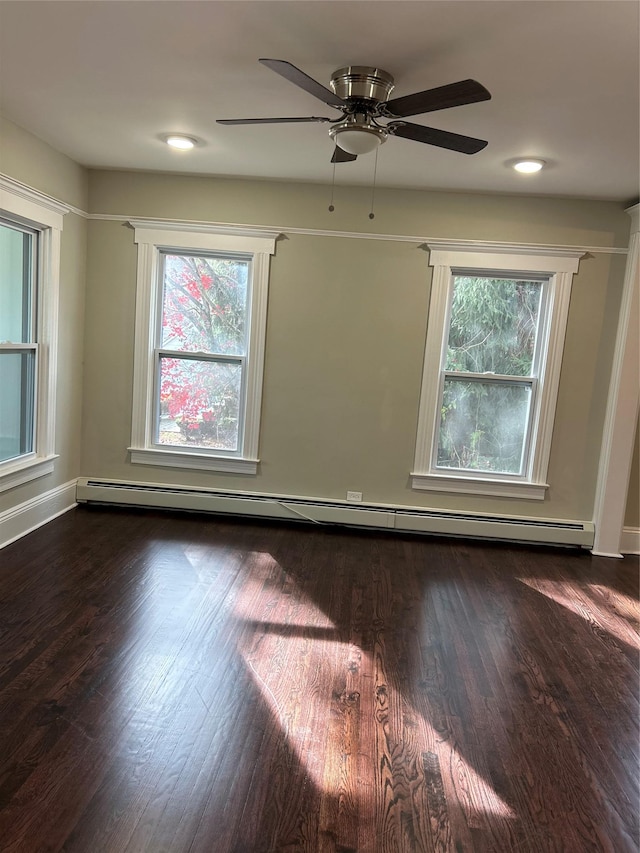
<point x="189" y="684"/>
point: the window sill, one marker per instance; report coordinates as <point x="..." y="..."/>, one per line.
<point x="471" y="486"/>
<point x="23" y="470"/>
<point x="196" y="461"/>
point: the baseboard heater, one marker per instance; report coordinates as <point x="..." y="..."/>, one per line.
<point x="406" y="519"/>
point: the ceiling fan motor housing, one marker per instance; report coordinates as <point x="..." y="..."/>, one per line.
<point x="362" y="82"/>
<point x="363" y="87"/>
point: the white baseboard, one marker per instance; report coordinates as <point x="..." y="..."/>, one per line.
<point x="630" y="542"/>
<point x="22" y="519"/>
<point x="325" y="511"/>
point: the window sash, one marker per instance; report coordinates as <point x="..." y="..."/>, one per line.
<point x="29" y="295"/>
<point x="488" y="377"/>
<point x="202" y="357"/>
<point x="231" y="256"/>
<point x="28" y="405"/>
<point x="542" y="323"/>
<point x="530" y="382"/>
<point x="19" y="347"/>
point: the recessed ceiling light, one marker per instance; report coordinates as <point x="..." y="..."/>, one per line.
<point x="528" y="167"/>
<point x="181" y="142"/>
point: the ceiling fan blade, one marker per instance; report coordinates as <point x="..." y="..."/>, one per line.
<point x="299" y="78"/>
<point x="441" y="138"/>
<point x="441" y="98"/>
<point x="341" y="156"/>
<point x="270" y="120"/>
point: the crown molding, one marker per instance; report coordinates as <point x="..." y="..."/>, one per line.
<point x="278" y="230"/>
<point x="529" y="249"/>
<point x="17" y="188"/>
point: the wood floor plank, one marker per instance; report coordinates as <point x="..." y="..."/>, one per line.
<point x="187" y="684"/>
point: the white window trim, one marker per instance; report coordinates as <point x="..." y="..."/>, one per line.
<point x="44" y="215"/>
<point x="151" y="237"/>
<point x="559" y="265"/>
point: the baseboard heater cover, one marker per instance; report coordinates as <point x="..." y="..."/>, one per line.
<point x="406" y="519"/>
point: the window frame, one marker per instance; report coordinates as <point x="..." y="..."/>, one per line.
<point x="556" y="268"/>
<point x="154" y="239"/>
<point x="33" y="211"/>
<point x="28" y="343"/>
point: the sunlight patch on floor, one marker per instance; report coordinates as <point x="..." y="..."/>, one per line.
<point x="477" y="796"/>
<point x="624" y="605"/>
<point x="289" y="681"/>
<point x="323" y="691"/>
<point x="321" y="750"/>
<point x="286" y="671"/>
<point x="264" y="600"/>
<point x="574" y="599"/>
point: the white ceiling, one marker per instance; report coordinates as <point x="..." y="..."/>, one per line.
<point x="101" y="81"/>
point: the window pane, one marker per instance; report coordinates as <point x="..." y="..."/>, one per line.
<point x="199" y="403"/>
<point x="204" y="304"/>
<point x="16" y="403"/>
<point x="493" y="325"/>
<point x="15" y="285"/>
<point x="483" y="426"/>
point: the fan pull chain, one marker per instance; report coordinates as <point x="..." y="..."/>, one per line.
<point x="333" y="181"/>
<point x="373" y="188"/>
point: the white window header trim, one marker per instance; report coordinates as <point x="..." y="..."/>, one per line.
<point x="210" y="237"/>
<point x="537" y="261"/>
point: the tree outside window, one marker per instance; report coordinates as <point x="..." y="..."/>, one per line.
<point x="489" y="368"/>
<point x="202" y="350"/>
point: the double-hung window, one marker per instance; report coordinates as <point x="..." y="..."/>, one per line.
<point x="30" y="226"/>
<point x="18" y="337"/>
<point x="497" y="322"/>
<point x="200" y="330"/>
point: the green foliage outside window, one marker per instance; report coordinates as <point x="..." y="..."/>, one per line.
<point x="492" y="330"/>
<point x="493" y="326"/>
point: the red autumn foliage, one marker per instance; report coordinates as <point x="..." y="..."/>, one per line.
<point x="204" y="310"/>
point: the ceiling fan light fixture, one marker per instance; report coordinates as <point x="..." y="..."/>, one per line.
<point x="183" y="143"/>
<point x="356" y="139"/>
<point x="529" y="166"/>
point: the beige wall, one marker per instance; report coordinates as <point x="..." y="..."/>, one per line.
<point x="346" y="328"/>
<point x="28" y="160"/>
<point x="632" y="515"/>
<point x="346" y="331"/>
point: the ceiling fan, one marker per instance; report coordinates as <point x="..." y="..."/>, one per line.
<point x="362" y="93"/>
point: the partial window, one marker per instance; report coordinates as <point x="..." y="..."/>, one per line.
<point x="200" y="328"/>
<point x="494" y="347"/>
<point x="18" y="340"/>
<point x="30" y="228"/>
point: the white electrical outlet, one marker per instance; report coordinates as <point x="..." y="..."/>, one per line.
<point x="354" y="496"/>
